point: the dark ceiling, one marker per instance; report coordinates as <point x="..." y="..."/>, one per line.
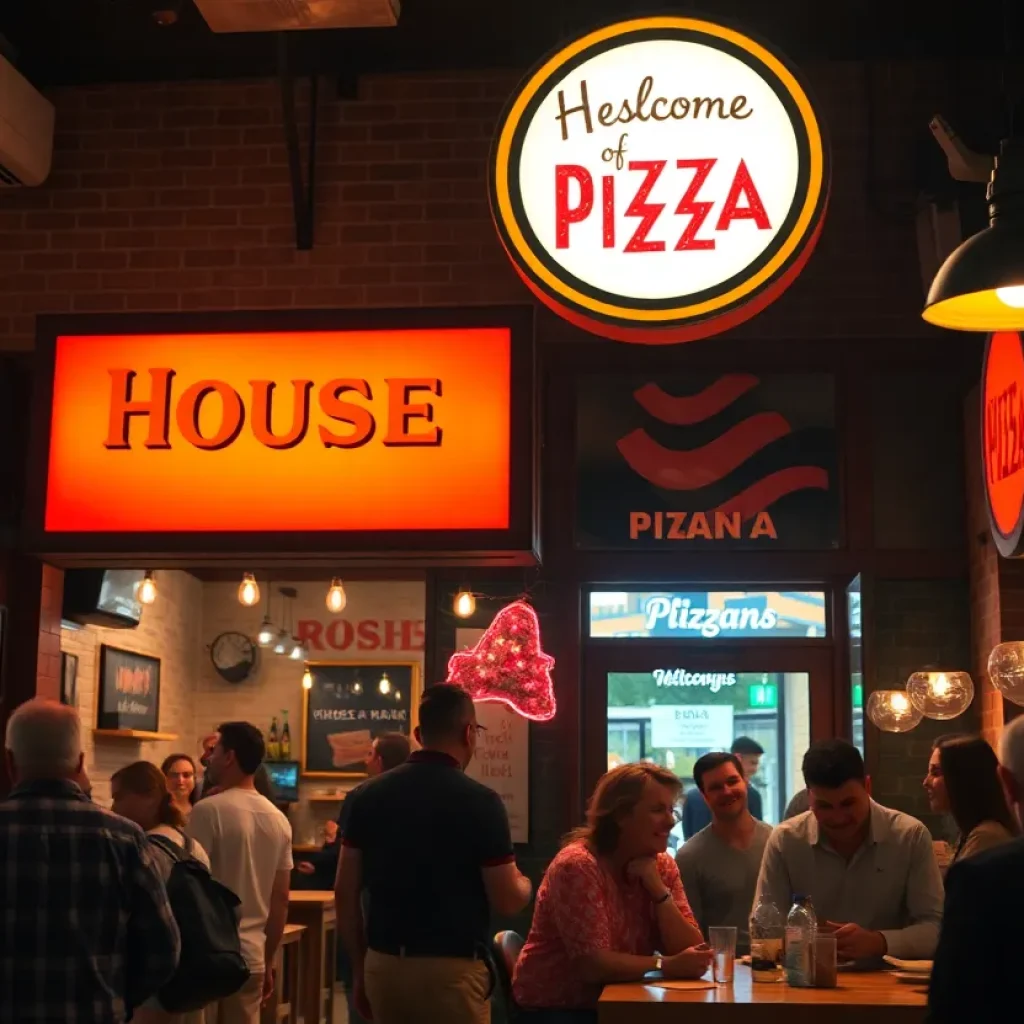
<point x="75" y="41"/>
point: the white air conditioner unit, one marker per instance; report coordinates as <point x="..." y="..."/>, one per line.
<point x="283" y="15"/>
<point x="26" y="130"/>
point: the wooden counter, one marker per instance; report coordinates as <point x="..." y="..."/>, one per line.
<point x="876" y="997"/>
<point x="283" y="1005"/>
<point x="315" y="909"/>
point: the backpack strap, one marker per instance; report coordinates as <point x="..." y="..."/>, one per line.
<point x="189" y="842"/>
<point x="172" y="849"/>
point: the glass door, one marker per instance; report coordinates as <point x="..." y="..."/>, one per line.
<point x="671" y="702"/>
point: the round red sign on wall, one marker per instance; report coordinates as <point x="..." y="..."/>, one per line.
<point x="1002" y="439"/>
<point x="660" y="180"/>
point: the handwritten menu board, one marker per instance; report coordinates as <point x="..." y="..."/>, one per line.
<point x="348" y="706"/>
<point x="502" y="759"/>
<point x="128" y="695"/>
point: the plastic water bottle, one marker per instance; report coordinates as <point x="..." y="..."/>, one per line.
<point x="801" y="929"/>
<point x="766" y="936"/>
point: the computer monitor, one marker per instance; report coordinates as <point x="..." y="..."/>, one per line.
<point x="284" y="776"/>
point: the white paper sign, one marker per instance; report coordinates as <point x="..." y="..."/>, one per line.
<point x="693" y="726"/>
<point x="502" y="759"/>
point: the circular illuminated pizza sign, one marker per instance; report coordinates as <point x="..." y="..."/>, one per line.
<point x="660" y="180"/>
<point x="1002" y="439"/>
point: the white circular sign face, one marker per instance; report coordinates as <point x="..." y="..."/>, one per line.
<point x="660" y="180"/>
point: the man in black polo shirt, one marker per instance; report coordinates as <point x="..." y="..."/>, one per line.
<point x="432" y="847"/>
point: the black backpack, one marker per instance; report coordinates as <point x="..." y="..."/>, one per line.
<point x="211" y="965"/>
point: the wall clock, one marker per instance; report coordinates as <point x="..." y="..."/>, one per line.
<point x="234" y="656"/>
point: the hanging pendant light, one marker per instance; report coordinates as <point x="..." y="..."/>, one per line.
<point x="940" y="694"/>
<point x="336" y="597"/>
<point x="298" y="650"/>
<point x="307" y="679"/>
<point x="248" y="591"/>
<point x="384" y="685"/>
<point x="147" y="589"/>
<point x="892" y="711"/>
<point x="1006" y="670"/>
<point x="980" y="287"/>
<point x="464" y="604"/>
<point x="265" y="637"/>
<point x="283" y="644"/>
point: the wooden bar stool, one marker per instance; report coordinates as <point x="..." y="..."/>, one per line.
<point x="283" y="1007"/>
<point x="315" y="910"/>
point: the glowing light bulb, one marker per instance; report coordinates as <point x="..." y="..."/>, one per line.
<point x="336" y="597"/>
<point x="298" y="651"/>
<point x="357" y="687"/>
<point x="940" y="686"/>
<point x="465" y="604"/>
<point x="147" y="589"/>
<point x="1012" y="296"/>
<point x="307" y="679"/>
<point x="248" y="591"/>
<point x="899" y="703"/>
<point x="265" y="637"/>
<point x="398" y="694"/>
<point x="384" y="685"/>
<point x="283" y="644"/>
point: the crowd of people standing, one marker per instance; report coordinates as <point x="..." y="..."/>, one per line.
<point x="89" y="894"/>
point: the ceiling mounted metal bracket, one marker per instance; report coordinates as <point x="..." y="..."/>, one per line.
<point x="302" y="189"/>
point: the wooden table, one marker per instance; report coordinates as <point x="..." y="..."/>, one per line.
<point x="315" y="909"/>
<point x="875" y="997"/>
<point x="283" y="1007"/>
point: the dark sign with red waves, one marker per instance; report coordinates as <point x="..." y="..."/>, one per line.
<point x="707" y="462"/>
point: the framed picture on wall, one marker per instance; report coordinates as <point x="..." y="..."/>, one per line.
<point x="348" y="706"/>
<point x="68" y="679"/>
<point x="128" y="694"/>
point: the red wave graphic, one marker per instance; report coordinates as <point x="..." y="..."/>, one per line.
<point x="757" y="497"/>
<point x="688" y="471"/>
<point x="688" y="409"/>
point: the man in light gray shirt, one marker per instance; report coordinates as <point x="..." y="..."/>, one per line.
<point x="720" y="864"/>
<point x="870" y="871"/>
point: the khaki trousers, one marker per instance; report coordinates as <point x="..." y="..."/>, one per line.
<point x="241" y="1008"/>
<point x="427" y="990"/>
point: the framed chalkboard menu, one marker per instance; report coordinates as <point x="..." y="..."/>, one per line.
<point x="128" y="694"/>
<point x="348" y="705"/>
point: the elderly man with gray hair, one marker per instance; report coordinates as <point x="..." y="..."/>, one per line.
<point x="982" y="943"/>
<point x="86" y="932"/>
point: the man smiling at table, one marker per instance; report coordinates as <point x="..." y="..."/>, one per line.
<point x="870" y="871"/>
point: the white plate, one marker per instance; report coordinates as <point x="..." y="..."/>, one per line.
<point x="911" y="966"/>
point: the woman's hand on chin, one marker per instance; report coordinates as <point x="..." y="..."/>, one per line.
<point x="646" y="870"/>
<point x="691" y="963"/>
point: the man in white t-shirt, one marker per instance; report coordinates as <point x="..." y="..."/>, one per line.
<point x="250" y="846"/>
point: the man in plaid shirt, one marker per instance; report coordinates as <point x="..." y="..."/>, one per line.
<point x="86" y="932"/>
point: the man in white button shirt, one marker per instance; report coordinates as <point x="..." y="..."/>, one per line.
<point x="870" y="871"/>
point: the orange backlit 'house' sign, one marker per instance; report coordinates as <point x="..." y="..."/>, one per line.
<point x="282" y="431"/>
<point x="1002" y="439"/>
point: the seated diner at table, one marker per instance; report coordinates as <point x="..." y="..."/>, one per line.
<point x="870" y="871"/>
<point x="611" y="906"/>
<point x="963" y="782"/>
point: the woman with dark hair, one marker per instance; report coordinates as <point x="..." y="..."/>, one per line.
<point x="141" y="795"/>
<point x="180" y="772"/>
<point x="609" y="900"/>
<point x="974" y="794"/>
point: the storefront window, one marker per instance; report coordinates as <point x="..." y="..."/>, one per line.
<point x="708" y="615"/>
<point x="672" y="716"/>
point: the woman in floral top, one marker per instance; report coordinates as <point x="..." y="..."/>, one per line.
<point x="610" y="903"/>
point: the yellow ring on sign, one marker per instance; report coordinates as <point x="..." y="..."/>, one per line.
<point x="772" y="267"/>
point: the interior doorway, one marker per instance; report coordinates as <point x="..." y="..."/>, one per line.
<point x="649" y="696"/>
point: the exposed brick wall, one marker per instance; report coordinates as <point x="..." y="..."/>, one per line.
<point x="916" y="624"/>
<point x="170" y="631"/>
<point x="177" y="197"/>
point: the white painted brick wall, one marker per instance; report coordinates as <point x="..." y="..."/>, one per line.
<point x="171" y="631"/>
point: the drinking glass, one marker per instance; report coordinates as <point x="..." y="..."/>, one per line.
<point x="723" y="946"/>
<point x="825" y="961"/>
